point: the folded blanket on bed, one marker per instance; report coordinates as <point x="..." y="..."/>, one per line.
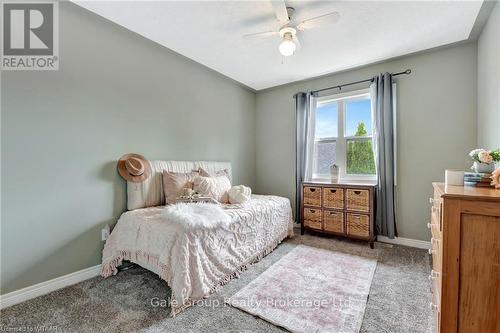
<point x="196" y="215"/>
<point x="239" y="194"/>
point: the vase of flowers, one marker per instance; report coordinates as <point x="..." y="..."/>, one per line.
<point x="334" y="173"/>
<point x="495" y="155"/>
<point x="484" y="160"/>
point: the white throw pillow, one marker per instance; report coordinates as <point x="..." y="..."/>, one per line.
<point x="239" y="194"/>
<point x="213" y="187"/>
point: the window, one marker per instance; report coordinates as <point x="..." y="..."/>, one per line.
<point x="343" y="136"/>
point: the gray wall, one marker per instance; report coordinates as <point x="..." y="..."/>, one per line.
<point x="436" y="124"/>
<point x="488" y="87"/>
<point x="62" y="132"/>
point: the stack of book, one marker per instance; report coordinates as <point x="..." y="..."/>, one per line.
<point x="477" y="179"/>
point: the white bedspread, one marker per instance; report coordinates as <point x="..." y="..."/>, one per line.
<point x="195" y="263"/>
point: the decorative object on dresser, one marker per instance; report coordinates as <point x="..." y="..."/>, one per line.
<point x="454" y="177"/>
<point x="477" y="179"/>
<point x="334" y="173"/>
<point x="484" y="160"/>
<point x="465" y="228"/>
<point x="495" y="178"/>
<point x="338" y="209"/>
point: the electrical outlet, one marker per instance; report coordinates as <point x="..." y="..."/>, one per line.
<point x="105" y="233"/>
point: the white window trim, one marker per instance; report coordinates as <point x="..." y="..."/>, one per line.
<point x="341" y="140"/>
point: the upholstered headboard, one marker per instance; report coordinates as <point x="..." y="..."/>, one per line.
<point x="150" y="192"/>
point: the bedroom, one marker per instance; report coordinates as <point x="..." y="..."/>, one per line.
<point x="181" y="81"/>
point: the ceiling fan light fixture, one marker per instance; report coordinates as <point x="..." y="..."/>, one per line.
<point x="287" y="46"/>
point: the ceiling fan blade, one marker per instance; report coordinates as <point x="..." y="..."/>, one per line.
<point x="313" y="22"/>
<point x="261" y="34"/>
<point x="280" y="11"/>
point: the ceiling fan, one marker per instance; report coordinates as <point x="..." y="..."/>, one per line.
<point x="288" y="31"/>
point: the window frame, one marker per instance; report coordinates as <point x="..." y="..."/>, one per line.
<point x="340" y="140"/>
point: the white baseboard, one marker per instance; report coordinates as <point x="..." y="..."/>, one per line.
<point x="46" y="287"/>
<point x="405" y="241"/>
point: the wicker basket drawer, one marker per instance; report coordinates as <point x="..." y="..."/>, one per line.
<point x="358" y="225"/>
<point x="312" y="218"/>
<point x="312" y="196"/>
<point x="333" y="221"/>
<point x="333" y="197"/>
<point x="358" y="200"/>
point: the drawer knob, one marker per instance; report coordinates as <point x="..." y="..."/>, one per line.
<point x="429" y="225"/>
<point x="433" y="275"/>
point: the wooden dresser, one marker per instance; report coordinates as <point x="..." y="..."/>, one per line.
<point x="465" y="227"/>
<point x="338" y="209"/>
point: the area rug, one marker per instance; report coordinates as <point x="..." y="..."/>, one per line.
<point x="311" y="290"/>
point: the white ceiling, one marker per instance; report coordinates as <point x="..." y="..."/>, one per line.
<point x="368" y="31"/>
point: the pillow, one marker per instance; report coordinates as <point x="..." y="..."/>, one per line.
<point x="222" y="172"/>
<point x="239" y="194"/>
<point x="174" y="182"/>
<point x="213" y="187"/>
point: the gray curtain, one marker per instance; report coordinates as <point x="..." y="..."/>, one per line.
<point x="302" y="104"/>
<point x="383" y="144"/>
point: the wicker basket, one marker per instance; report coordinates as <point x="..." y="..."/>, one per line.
<point x="358" y="225"/>
<point x="358" y="200"/>
<point x="333" y="197"/>
<point x="333" y="221"/>
<point x="312" y="218"/>
<point x="312" y="196"/>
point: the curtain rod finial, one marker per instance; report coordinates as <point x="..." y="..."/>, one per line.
<point x="408" y="71"/>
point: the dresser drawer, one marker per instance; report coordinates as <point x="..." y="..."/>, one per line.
<point x="333" y="221"/>
<point x="358" y="225"/>
<point x="312" y="196"/>
<point x="358" y="200"/>
<point x="435" y="251"/>
<point x="333" y="197"/>
<point x="312" y="218"/>
<point x="436" y="307"/>
<point x="435" y="233"/>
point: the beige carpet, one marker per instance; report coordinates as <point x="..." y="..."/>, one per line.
<point x="311" y="290"/>
<point x="399" y="298"/>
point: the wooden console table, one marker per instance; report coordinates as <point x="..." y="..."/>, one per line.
<point x="343" y="209"/>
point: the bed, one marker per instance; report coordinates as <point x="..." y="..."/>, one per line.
<point x="194" y="263"/>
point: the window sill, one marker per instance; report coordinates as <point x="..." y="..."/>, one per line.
<point x="363" y="182"/>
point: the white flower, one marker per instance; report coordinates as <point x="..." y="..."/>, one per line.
<point x="476" y="152"/>
<point x="485" y="157"/>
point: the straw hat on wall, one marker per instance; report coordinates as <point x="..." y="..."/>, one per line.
<point x="134" y="168"/>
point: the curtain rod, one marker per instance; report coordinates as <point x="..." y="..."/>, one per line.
<point x="406" y="72"/>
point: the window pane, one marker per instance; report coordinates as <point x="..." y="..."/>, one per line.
<point x="358" y="117"/>
<point x="324" y="156"/>
<point x="326" y="120"/>
<point x="360" y="159"/>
